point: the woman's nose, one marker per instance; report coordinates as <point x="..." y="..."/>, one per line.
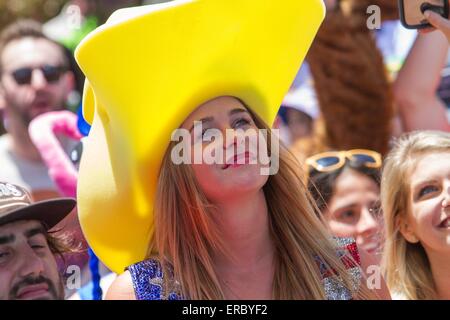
<point x="367" y="224"/>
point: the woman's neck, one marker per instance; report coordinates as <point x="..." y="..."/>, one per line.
<point x="245" y="230"/>
<point x="244" y="225"/>
<point x="440" y="270"/>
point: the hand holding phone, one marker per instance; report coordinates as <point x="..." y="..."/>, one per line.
<point x="412" y="12"/>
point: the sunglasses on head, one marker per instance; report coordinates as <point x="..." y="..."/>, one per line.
<point x="333" y="160"/>
<point x="52" y="74"/>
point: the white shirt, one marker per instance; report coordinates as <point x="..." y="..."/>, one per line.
<point x="32" y="175"/>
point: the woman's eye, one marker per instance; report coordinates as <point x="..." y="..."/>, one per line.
<point x="346" y="215"/>
<point x="426" y="190"/>
<point x="207" y="133"/>
<point x="240" y="123"/>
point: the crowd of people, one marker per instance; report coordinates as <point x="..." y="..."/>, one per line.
<point x="92" y="205"/>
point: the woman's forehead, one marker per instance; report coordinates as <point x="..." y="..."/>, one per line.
<point x="214" y="108"/>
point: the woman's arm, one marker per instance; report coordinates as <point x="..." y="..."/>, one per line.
<point x="121" y="288"/>
<point x="416" y="86"/>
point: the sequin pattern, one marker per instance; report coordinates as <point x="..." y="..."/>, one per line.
<point x="149" y="280"/>
<point x="335" y="289"/>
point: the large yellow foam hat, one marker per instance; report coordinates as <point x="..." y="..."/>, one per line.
<point x="147" y="69"/>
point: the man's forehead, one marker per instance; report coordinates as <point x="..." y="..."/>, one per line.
<point x="18" y="227"/>
<point x="31" y="52"/>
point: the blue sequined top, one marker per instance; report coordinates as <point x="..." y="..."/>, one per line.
<point x="149" y="281"/>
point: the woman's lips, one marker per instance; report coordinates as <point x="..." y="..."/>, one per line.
<point x="445" y="224"/>
<point x="33" y="291"/>
<point x="371" y="246"/>
<point x="238" y="160"/>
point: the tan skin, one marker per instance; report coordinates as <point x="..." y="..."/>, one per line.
<point x="25" y="255"/>
<point x="243" y="214"/>
<point x="417" y="82"/>
<point x="353" y="210"/>
<point x="428" y="218"/>
<point x="438" y="22"/>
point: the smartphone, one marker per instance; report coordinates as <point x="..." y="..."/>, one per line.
<point x="411" y="12"/>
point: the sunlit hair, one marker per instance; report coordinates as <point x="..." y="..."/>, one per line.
<point x="405" y="264"/>
<point x="187" y="234"/>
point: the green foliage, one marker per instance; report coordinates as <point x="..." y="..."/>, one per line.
<point x="40" y="10"/>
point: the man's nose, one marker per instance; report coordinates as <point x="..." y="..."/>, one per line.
<point x="38" y="80"/>
<point x="31" y="263"/>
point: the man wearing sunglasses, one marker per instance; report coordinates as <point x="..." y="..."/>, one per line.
<point x="34" y="79"/>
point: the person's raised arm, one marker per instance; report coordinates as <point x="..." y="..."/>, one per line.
<point x="439" y="22"/>
<point x="415" y="88"/>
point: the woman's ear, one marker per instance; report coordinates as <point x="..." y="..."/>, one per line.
<point x="406" y="229"/>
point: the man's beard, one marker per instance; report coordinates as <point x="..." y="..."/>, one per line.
<point x="16" y="112"/>
<point x="26" y="113"/>
<point x="52" y="290"/>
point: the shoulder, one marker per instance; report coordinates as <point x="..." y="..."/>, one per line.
<point x="146" y="280"/>
<point x="134" y="283"/>
<point x="121" y="288"/>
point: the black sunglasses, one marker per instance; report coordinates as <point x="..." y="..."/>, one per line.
<point x="52" y="74"/>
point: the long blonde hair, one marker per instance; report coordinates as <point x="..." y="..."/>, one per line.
<point x="186" y="233"/>
<point x="405" y="264"/>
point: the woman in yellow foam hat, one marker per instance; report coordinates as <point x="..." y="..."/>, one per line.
<point x="199" y="230"/>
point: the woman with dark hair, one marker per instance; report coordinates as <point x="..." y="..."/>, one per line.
<point x="346" y="188"/>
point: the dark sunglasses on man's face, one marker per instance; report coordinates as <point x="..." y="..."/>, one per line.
<point x="52" y="74"/>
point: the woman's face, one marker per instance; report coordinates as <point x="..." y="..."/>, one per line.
<point x="429" y="203"/>
<point x="239" y="171"/>
<point x="353" y="210"/>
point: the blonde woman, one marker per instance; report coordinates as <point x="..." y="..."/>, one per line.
<point x="415" y="192"/>
<point x="194" y="229"/>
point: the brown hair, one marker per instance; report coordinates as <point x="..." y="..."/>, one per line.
<point x="25" y="28"/>
<point x="186" y="233"/>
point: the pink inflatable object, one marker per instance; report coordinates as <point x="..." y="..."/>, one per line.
<point x="43" y="130"/>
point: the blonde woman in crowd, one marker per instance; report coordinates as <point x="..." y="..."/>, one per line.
<point x="415" y="192"/>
